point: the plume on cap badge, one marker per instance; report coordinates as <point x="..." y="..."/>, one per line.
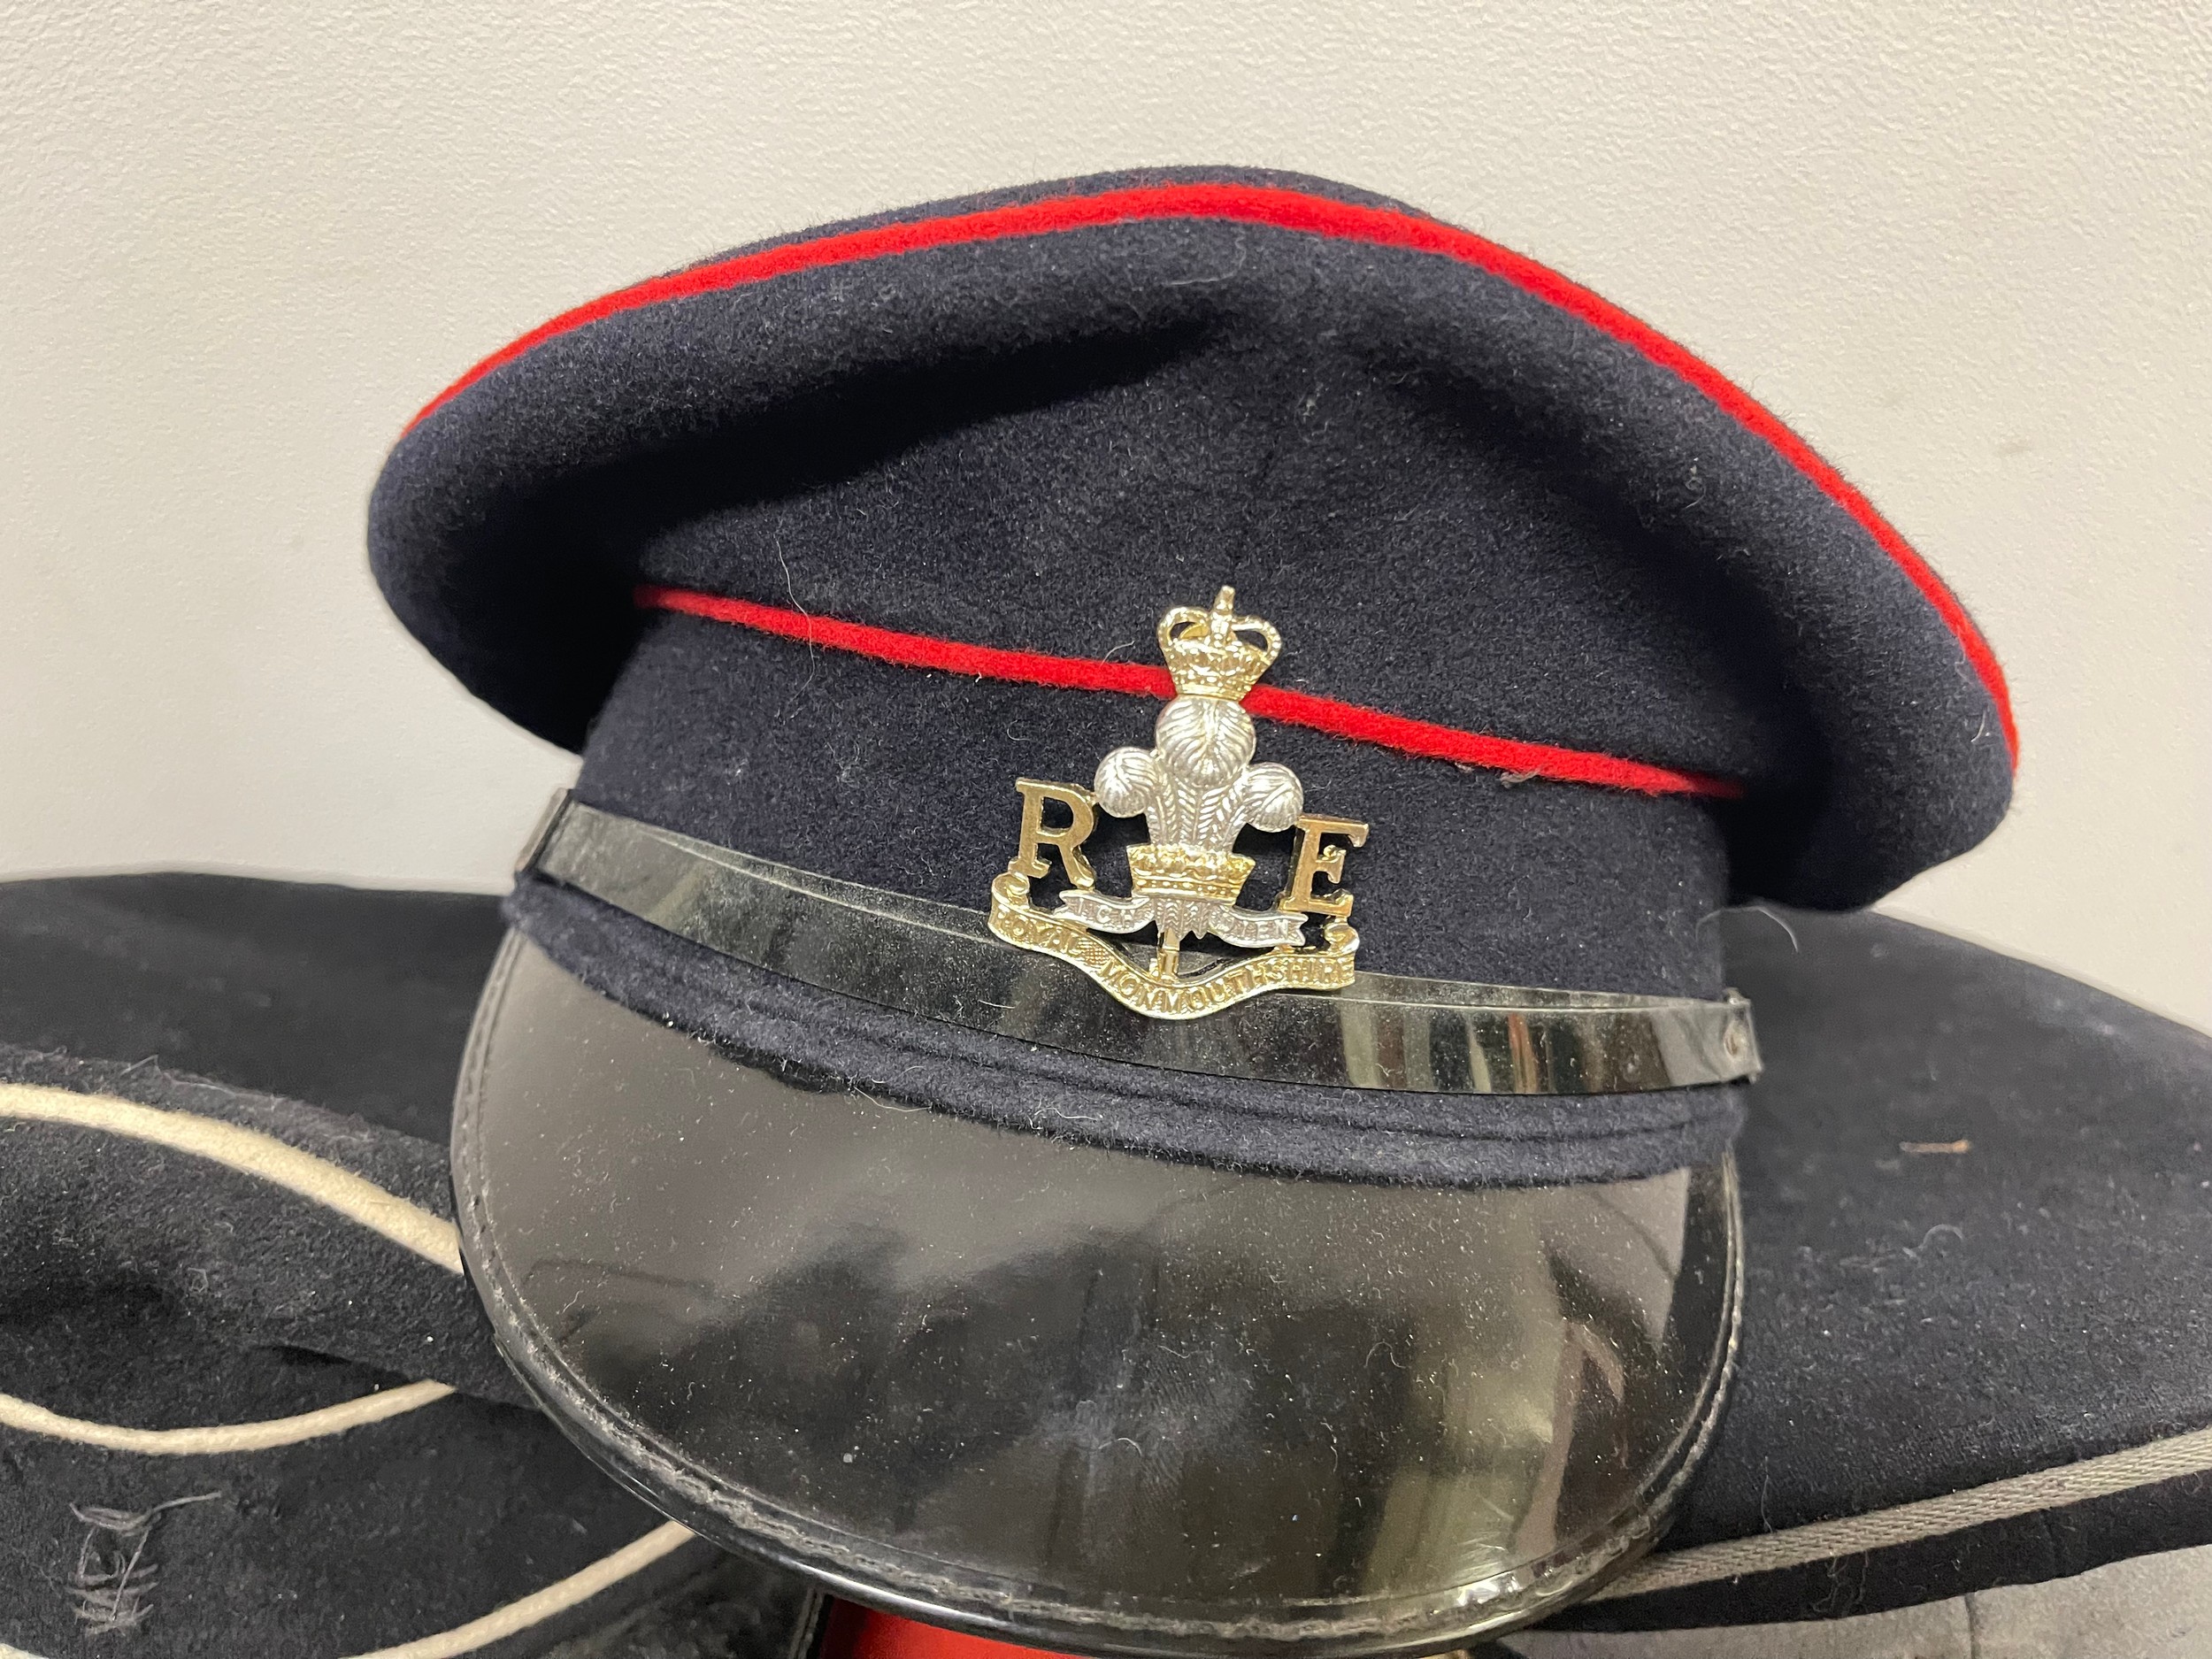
<point x="1198" y="791"/>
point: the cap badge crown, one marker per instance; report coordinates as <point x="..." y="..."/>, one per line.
<point x="1205" y="655"/>
<point x="1198" y="792"/>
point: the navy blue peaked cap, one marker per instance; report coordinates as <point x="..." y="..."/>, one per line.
<point x="1700" y="590"/>
<point x="814" y="547"/>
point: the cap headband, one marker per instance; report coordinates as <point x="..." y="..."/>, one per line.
<point x="1381" y="1031"/>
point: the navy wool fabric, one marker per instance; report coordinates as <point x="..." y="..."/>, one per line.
<point x="356" y="1001"/>
<point x="1458" y="502"/>
<point x="1919" y="1322"/>
<point x="880" y="775"/>
<point x="820" y="1039"/>
<point x="145" y="1288"/>
<point x="89" y="1219"/>
<point x="242" y="1000"/>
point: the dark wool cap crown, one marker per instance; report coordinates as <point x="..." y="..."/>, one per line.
<point x="1593" y="641"/>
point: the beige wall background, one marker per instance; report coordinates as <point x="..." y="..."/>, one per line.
<point x="1964" y="249"/>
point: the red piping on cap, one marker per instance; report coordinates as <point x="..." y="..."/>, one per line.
<point x="1319" y="216"/>
<point x="1268" y="702"/>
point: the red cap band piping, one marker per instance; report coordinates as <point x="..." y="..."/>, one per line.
<point x="1267" y="703"/>
<point x="1319" y="216"/>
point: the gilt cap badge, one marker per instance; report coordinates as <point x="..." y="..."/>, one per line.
<point x="1198" y="791"/>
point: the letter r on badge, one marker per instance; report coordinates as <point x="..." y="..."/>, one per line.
<point x="1065" y="839"/>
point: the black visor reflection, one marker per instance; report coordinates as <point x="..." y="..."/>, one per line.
<point x="1090" y="1398"/>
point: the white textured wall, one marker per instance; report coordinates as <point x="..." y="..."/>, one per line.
<point x="1967" y="251"/>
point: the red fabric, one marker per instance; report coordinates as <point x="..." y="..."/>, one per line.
<point x="861" y="1633"/>
<point x="1290" y="210"/>
<point x="1268" y="702"/>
